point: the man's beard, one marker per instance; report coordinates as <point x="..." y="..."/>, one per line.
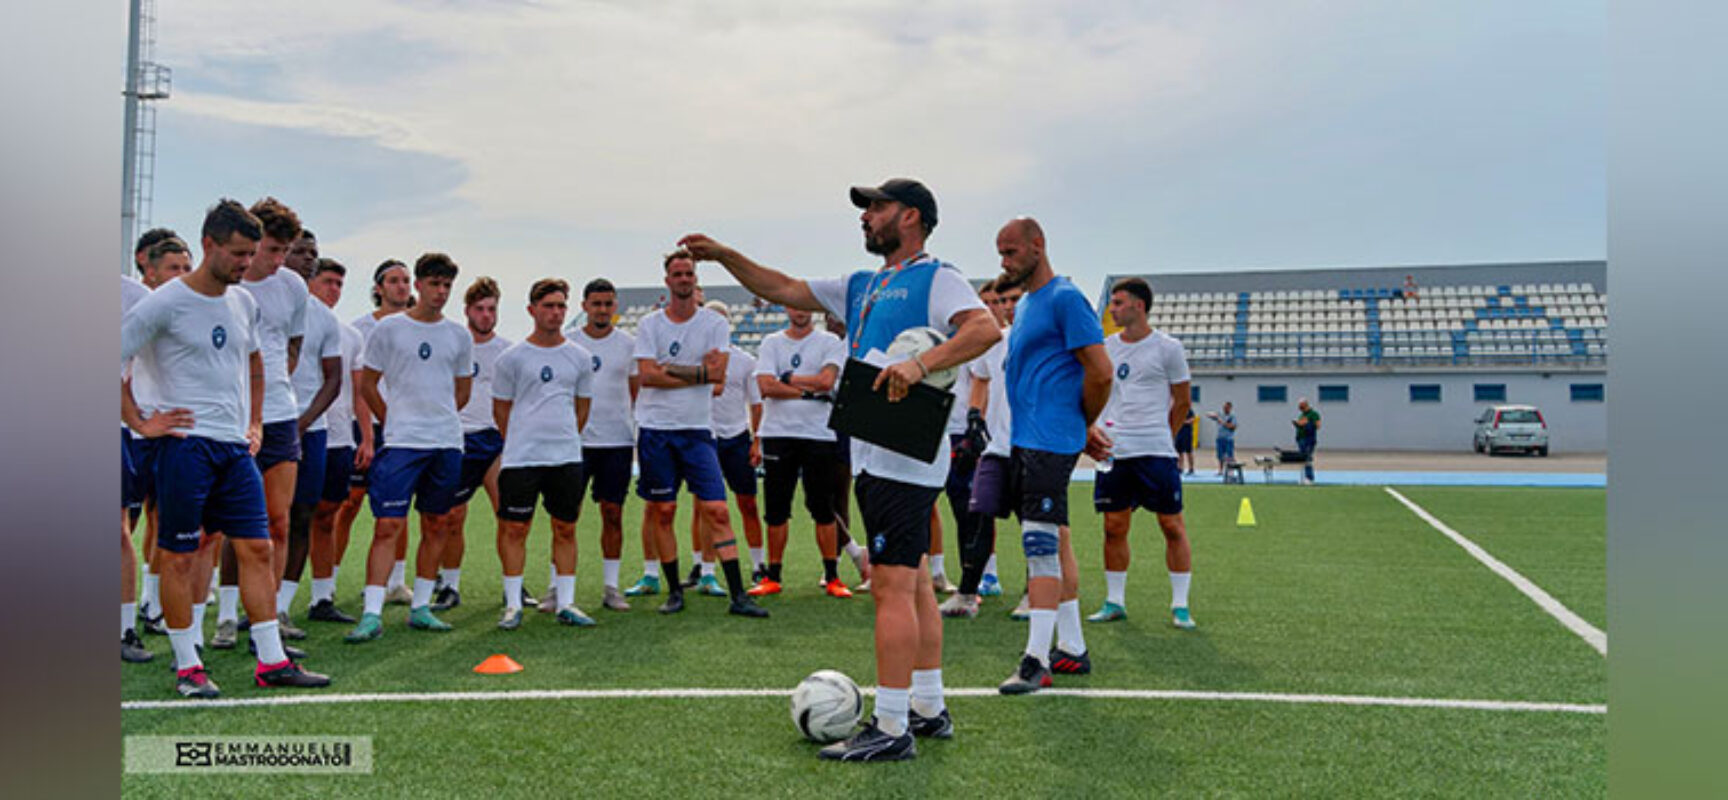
<point x="882" y="243"/>
<point x="482" y="331"/>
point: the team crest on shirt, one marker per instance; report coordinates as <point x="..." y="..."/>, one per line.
<point x="218" y="336"/>
<point x="476" y="372"/>
<point x="546" y="374"/>
<point x="797" y="360"/>
<point x="1122" y="370"/>
<point x="673" y="350"/>
<point x="425" y="351"/>
<point x="596" y="363"/>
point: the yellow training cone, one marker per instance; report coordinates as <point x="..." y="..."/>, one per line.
<point x="1245" y="516"/>
<point x="498" y="665"/>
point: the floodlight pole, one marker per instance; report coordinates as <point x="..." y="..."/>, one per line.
<point x="128" y="177"/>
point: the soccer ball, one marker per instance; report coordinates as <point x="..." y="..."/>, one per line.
<point x="915" y="341"/>
<point x="826" y="706"/>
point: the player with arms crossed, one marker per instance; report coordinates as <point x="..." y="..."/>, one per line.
<point x="204" y="342"/>
<point x="428" y="362"/>
<point x="1057" y="377"/>
<point x="1148" y="400"/>
<point x="541" y="391"/>
<point x="896" y="494"/>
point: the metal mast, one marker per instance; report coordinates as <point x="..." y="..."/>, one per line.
<point x="146" y="82"/>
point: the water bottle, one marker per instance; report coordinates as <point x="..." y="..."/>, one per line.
<point x="1108" y="461"/>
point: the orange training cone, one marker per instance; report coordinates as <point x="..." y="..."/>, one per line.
<point x="499" y="664"/>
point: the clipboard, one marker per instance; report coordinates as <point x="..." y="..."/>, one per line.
<point x="913" y="427"/>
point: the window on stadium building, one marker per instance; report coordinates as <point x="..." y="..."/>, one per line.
<point x="1587" y="393"/>
<point x="1490" y="392"/>
<point x="1193" y="393"/>
<point x="1274" y="394"/>
<point x="1424" y="392"/>
<point x="1334" y="394"/>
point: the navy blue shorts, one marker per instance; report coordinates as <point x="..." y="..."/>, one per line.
<point x="359" y="478"/>
<point x="309" y="481"/>
<point x="1226" y="449"/>
<point x="608" y="469"/>
<point x="205" y="484"/>
<point x="143" y="454"/>
<point x="479" y="450"/>
<point x="426" y="476"/>
<point x="338" y="468"/>
<point x="734" y="455"/>
<point x="1150" y="482"/>
<point x="131" y="497"/>
<point x="281" y="443"/>
<point x="667" y="457"/>
<point x="960" y="472"/>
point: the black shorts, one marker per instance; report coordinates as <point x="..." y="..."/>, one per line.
<point x="608" y="468"/>
<point x="990" y="487"/>
<point x="784" y="460"/>
<point x="559" y="486"/>
<point x="1185" y="439"/>
<point x="896" y="519"/>
<point x="960" y="472"/>
<point x="1038" y="484"/>
<point x="1150" y="482"/>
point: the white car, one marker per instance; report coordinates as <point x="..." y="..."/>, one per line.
<point x="1503" y="428"/>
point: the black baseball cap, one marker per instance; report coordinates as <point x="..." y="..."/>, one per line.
<point x="904" y="191"/>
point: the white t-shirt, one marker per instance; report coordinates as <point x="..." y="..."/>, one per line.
<point x="683" y="343"/>
<point x="794" y="418"/>
<point x="732" y="405"/>
<point x="542" y="384"/>
<point x="1139" y="406"/>
<point x="202" y="347"/>
<point x="422" y="361"/>
<point x="611" y="422"/>
<point x="962" y="393"/>
<point x="997" y="416"/>
<point x="477" y="415"/>
<point x="323" y="340"/>
<point x="950" y="294"/>
<point x="340" y="417"/>
<point x="131" y="291"/>
<point x="282" y="299"/>
<point x="365" y="324"/>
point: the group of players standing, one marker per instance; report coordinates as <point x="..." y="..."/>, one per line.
<point x="256" y="423"/>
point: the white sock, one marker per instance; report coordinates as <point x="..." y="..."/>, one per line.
<point x="1068" y="633"/>
<point x="551" y="575"/>
<point x="990" y="567"/>
<point x="891" y="707"/>
<point x="707" y="569"/>
<point x="269" y="641"/>
<point x="650" y="569"/>
<point x="1179" y="589"/>
<point x="323" y="589"/>
<point x="853" y="549"/>
<point x="566" y="590"/>
<point x="422" y="592"/>
<point x="285" y="595"/>
<point x="451" y="577"/>
<point x="198" y="610"/>
<point x="609" y="569"/>
<point x="1116" y="587"/>
<point x="128" y="612"/>
<point x="695" y="556"/>
<point x="936" y="567"/>
<point x="398" y="574"/>
<point x="1038" y="636"/>
<point x="227" y="604"/>
<point x="185" y="645"/>
<point x="513" y="592"/>
<point x="757" y="555"/>
<point x="373" y="602"/>
<point x="216" y="582"/>
<point x="335" y="572"/>
<point x="927" y="692"/>
<point x="152" y="596"/>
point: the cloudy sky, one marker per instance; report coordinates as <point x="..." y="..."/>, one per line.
<point x="582" y="138"/>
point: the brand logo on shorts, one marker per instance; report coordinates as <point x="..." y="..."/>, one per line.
<point x="878" y="543"/>
<point x="218" y="336"/>
<point x="673" y="350"/>
<point x="1046" y="504"/>
<point x="797" y="360"/>
<point x="545" y="374"/>
<point x="596" y="363"/>
<point x="425" y="351"/>
<point x="1122" y="370"/>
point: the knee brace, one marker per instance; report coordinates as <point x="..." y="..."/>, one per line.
<point x="1040" y="541"/>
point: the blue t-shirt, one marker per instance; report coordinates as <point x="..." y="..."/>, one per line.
<point x="1044" y="377"/>
<point x="1225" y="432"/>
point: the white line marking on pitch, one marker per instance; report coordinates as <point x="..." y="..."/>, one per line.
<point x="1590" y="633"/>
<point x="634" y="694"/>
